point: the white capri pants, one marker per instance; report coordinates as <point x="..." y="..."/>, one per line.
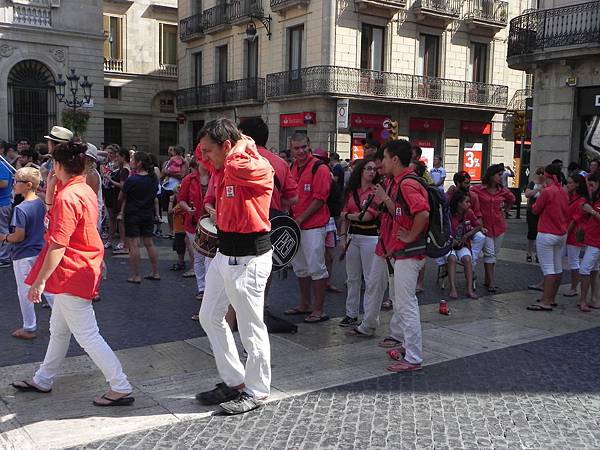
<point x="310" y="259"/>
<point x="359" y="258"/>
<point x="573" y="255"/>
<point x="590" y="261"/>
<point x="200" y="265"/>
<point x="491" y="248"/>
<point x="477" y="244"/>
<point x="21" y="268"/>
<point x="460" y="253"/>
<point x="549" y="249"/>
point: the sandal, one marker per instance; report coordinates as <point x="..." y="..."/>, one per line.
<point x="554" y="305"/>
<point x="535" y="287"/>
<point x="585" y="308"/>
<point x="316" y="319"/>
<point x="296" y="312"/>
<point x="404" y="366"/>
<point x="189" y="274"/>
<point x="177" y="267"/>
<point x="397" y="354"/>
<point x="538" y="307"/>
<point x="389" y="342"/>
<point x="332" y="288"/>
<point x="356" y="332"/>
<point x="152" y="277"/>
<point x="122" y="401"/>
<point x="131" y="280"/>
<point x="28" y="387"/>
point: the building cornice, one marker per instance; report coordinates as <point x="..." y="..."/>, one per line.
<point x="44" y="32"/>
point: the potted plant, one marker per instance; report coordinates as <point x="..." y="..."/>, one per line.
<point x="76" y="120"/>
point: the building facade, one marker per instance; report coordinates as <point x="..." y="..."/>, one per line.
<point x="140" y="73"/>
<point x="559" y="45"/>
<point x="40" y="39"/>
<point x="341" y="70"/>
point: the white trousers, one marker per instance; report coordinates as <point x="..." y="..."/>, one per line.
<point x="310" y="259"/>
<point x="199" y="264"/>
<point x="21" y="268"/>
<point x="359" y="258"/>
<point x="590" y="261"/>
<point x="491" y="248"/>
<point x="406" y="307"/>
<point x="549" y="248"/>
<point x="243" y="287"/>
<point x="377" y="281"/>
<point x="477" y="244"/>
<point x="72" y="314"/>
<point x="573" y="254"/>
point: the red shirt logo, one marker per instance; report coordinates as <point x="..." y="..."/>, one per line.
<point x="229" y="191"/>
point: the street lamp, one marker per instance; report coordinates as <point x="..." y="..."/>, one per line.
<point x="251" y="27"/>
<point x="74" y="102"/>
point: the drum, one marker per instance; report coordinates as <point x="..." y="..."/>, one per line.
<point x="206" y="240"/>
<point x="285" y="239"/>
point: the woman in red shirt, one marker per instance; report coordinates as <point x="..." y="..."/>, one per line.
<point x="578" y="196"/>
<point x="494" y="199"/>
<point x="359" y="220"/>
<point x="70" y="266"/>
<point x="591" y="259"/>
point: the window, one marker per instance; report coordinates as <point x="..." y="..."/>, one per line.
<point x="295" y="36"/>
<point x="221" y="66"/>
<point x="167" y="105"/>
<point x="168" y="44"/>
<point x="529" y="81"/>
<point x="112" y="92"/>
<point x="429" y="55"/>
<point x="198" y="69"/>
<point x="372" y="47"/>
<point x="252" y="58"/>
<point x="113" y="44"/>
<point x="197" y="6"/>
<point x="480" y="62"/>
<point x="113" y="131"/>
<point x="167" y="136"/>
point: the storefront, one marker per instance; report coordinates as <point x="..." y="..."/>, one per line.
<point x="589" y="117"/>
<point x="427" y="134"/>
<point x="474" y="147"/>
<point x="367" y="126"/>
<point x="292" y="123"/>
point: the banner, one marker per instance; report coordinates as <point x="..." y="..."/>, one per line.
<point x="428" y="149"/>
<point x="472" y="154"/>
<point x="358" y="140"/>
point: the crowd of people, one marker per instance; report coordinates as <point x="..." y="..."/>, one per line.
<point x="71" y="201"/>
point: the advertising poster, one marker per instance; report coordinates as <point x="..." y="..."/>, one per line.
<point x="473" y="152"/>
<point x="358" y="140"/>
<point x="428" y="148"/>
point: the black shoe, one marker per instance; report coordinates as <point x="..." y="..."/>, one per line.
<point x="222" y="393"/>
<point x="348" y="321"/>
<point x="242" y="404"/>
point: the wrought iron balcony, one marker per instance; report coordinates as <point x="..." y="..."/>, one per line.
<point x="441" y="9"/>
<point x="486" y="13"/>
<point x="219" y="17"/>
<point x="247" y="90"/>
<point x="113" y="65"/>
<point x="383" y="8"/>
<point x="167" y="70"/>
<point x="283" y="5"/>
<point x="551" y="30"/>
<point x="349" y="82"/>
<point x="191" y="27"/>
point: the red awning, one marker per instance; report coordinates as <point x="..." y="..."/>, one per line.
<point x="429" y="125"/>
<point x="297" y="119"/>
<point x="367" y="120"/>
<point x="475" y="127"/>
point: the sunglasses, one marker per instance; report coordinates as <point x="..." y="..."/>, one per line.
<point x="20" y="181"/>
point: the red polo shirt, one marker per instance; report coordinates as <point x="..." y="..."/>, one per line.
<point x="312" y="188"/>
<point x="577" y="215"/>
<point x="285" y="187"/>
<point x="386" y="223"/>
<point x="552" y="207"/>
<point x="190" y="192"/>
<point x="351" y="207"/>
<point x="461" y="225"/>
<point x="73" y="221"/>
<point x="475" y="207"/>
<point x="492" y="213"/>
<point x="592" y="228"/>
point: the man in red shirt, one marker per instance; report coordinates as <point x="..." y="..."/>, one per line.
<point x="312" y="215"/>
<point x="237" y="275"/>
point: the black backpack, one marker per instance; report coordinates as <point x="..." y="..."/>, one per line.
<point x="335" y="201"/>
<point x="437" y="242"/>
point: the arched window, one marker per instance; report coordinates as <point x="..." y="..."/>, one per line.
<point x="31" y="101"/>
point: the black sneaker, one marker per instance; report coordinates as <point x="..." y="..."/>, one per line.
<point x="222" y="393"/>
<point x="348" y="321"/>
<point x="240" y="405"/>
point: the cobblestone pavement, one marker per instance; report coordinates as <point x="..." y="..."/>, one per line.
<point x="544" y="394"/>
<point x="151" y="313"/>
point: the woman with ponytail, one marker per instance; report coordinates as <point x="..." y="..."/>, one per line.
<point x="138" y="211"/>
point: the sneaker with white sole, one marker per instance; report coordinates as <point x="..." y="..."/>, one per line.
<point x="242" y="404"/>
<point x="348" y="321"/>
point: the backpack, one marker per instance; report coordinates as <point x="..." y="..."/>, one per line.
<point x="437" y="242"/>
<point x="335" y="200"/>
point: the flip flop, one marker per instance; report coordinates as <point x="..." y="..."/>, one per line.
<point x="335" y="289"/>
<point x="358" y="333"/>
<point x="533" y="287"/>
<point x="537" y="307"/>
<point x="389" y="342"/>
<point x="296" y="312"/>
<point x="123" y="401"/>
<point x="151" y="277"/>
<point x="129" y="280"/>
<point x="492" y="289"/>
<point x="29" y="387"/>
<point x="570" y="295"/>
<point x="316" y="319"/>
<point x="554" y="305"/>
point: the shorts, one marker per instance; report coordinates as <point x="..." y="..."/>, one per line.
<point x="549" y="249"/>
<point x="179" y="243"/>
<point x="310" y="259"/>
<point x="532" y="224"/>
<point x="138" y="226"/>
<point x="573" y="255"/>
<point x="460" y="253"/>
<point x="331" y="238"/>
<point x="590" y="261"/>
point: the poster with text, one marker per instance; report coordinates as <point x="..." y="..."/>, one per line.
<point x="358" y="139"/>
<point x="428" y="148"/>
<point x="472" y="155"/>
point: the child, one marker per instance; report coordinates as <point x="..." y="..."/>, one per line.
<point x="179" y="245"/>
<point x="464" y="226"/>
<point x="27" y="239"/>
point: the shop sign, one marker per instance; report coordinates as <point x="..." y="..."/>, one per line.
<point x="343" y="113"/>
<point x="358" y="140"/>
<point x="589" y="101"/>
<point x="472" y="155"/>
<point x="376" y="121"/>
<point x="427" y="125"/>
<point x="428" y="149"/>
<point x="476" y="127"/>
<point x="298" y="119"/>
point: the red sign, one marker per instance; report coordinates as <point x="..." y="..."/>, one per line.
<point x="368" y="120"/>
<point x="423" y="143"/>
<point x="358" y="151"/>
<point x="297" y="119"/>
<point x="472" y="155"/>
<point x="429" y="125"/>
<point x="476" y="127"/>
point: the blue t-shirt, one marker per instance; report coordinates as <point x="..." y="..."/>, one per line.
<point x="29" y="216"/>
<point x="5" y="192"/>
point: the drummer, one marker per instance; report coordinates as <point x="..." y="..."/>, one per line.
<point x="243" y="185"/>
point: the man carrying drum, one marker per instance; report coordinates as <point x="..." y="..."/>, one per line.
<point x="239" y="271"/>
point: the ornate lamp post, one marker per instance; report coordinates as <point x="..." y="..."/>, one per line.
<point x="72" y="100"/>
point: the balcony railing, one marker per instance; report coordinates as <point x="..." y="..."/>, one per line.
<point x="346" y="81"/>
<point x="552" y="28"/>
<point x="191" y="27"/>
<point x="493" y="12"/>
<point x="282" y="5"/>
<point x="113" y="65"/>
<point x="32" y="15"/>
<point x="445" y="7"/>
<point x="167" y="70"/>
<point x="221" y="94"/>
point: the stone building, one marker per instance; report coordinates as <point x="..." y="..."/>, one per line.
<point x="559" y="46"/>
<point x="341" y="69"/>
<point x="40" y="39"/>
<point x="140" y="73"/>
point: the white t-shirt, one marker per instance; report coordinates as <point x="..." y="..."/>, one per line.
<point x="437" y="173"/>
